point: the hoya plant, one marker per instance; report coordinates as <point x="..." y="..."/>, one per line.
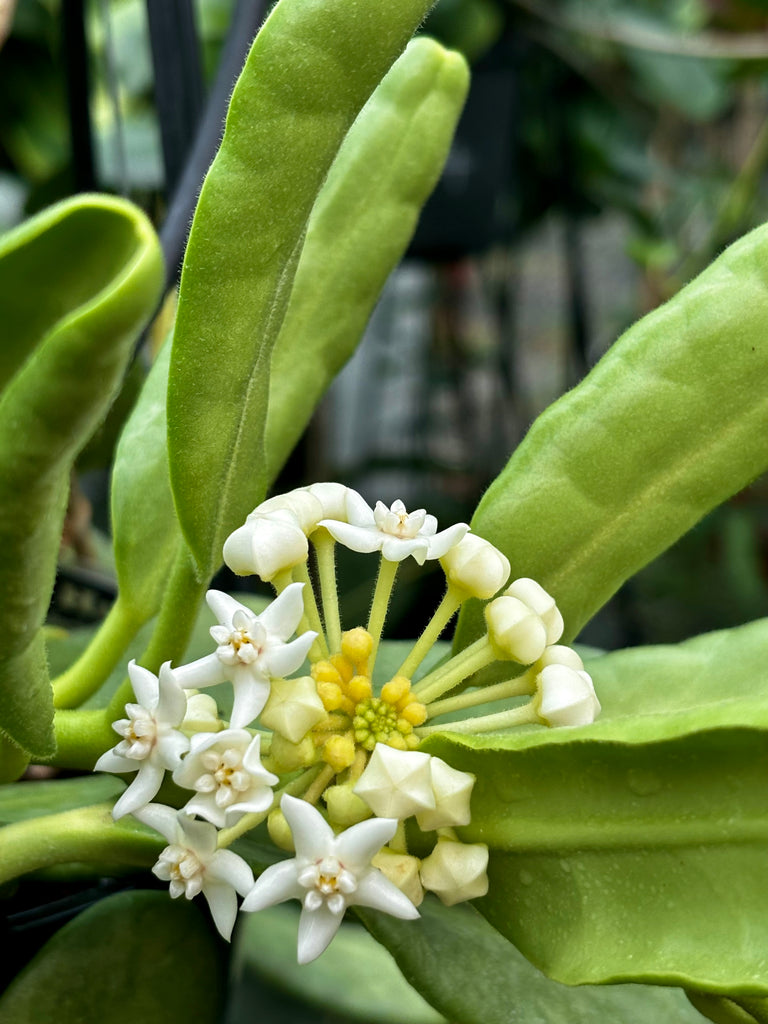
<point x="533" y="831"/>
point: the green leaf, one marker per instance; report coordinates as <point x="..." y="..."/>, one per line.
<point x="359" y="228"/>
<point x="355" y="978"/>
<point x="135" y="956"/>
<point x="670" y="422"/>
<point x="634" y="848"/>
<point x="292" y="105"/>
<point x="144" y="524"/>
<point x="22" y="800"/>
<point x="77" y="284"/>
<point x="470" y="973"/>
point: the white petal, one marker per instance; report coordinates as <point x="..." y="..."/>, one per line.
<point x="275" y="885"/>
<point x="207" y="671"/>
<point x="251" y="695"/>
<point x="145" y="685"/>
<point x="442" y="542"/>
<point x="395" y="549"/>
<point x="143" y="788"/>
<point x="316" y="929"/>
<point x="359" y="512"/>
<point x="171" y="747"/>
<point x="224" y="607"/>
<point x="204" y="806"/>
<point x="282" y="616"/>
<point x="223" y="903"/>
<point x="283" y="659"/>
<point x="226" y="866"/>
<point x="162" y="819"/>
<point x="313" y="837"/>
<point x="112" y="762"/>
<point x="200" y="836"/>
<point x="357" y="845"/>
<point x="363" y="539"/>
<point x="377" y="892"/>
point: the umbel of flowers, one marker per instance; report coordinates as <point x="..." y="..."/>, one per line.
<point x="329" y="761"/>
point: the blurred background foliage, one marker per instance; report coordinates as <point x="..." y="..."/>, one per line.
<point x="608" y="151"/>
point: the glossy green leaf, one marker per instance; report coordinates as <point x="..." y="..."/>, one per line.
<point x="77" y="284"/>
<point x="634" y="848"/>
<point x="470" y="973"/>
<point x="145" y="529"/>
<point x="22" y="800"/>
<point x="359" y="228"/>
<point x="354" y="979"/>
<point x="291" y="107"/>
<point x="670" y="422"/>
<point x="135" y="956"/>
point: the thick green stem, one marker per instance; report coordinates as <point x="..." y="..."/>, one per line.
<point x="325" y="547"/>
<point x="455" y="671"/>
<point x="84" y="677"/>
<point x="443" y="615"/>
<point x="381" y="595"/>
<point x="519" y="687"/>
<point x="311" y="619"/>
<point x="85" y="835"/>
<point x="82" y="736"/>
<point x="523" y="715"/>
<point x="173" y="626"/>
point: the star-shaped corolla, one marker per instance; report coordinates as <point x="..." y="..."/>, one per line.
<point x="193" y="864"/>
<point x="329" y="873"/>
<point x="394" y="531"/>
<point x="151" y="743"/>
<point x="252" y="649"/>
<point x="225" y="770"/>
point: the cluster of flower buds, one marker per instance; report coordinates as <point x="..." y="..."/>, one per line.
<point x="330" y="759"/>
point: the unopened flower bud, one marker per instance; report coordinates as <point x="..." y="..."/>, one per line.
<point x="287" y="756"/>
<point x="456" y="871"/>
<point x="279" y="830"/>
<point x="453" y="791"/>
<point x="559" y="654"/>
<point x="293" y="707"/>
<point x="515" y="631"/>
<point x="396" y="783"/>
<point x="403" y="871"/>
<point x="202" y="714"/>
<point x="345" y="808"/>
<point x="538" y="600"/>
<point x="476" y="567"/>
<point x="566" y="696"/>
<point x="266" y="545"/>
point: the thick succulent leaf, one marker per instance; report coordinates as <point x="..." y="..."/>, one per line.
<point x="634" y="848"/>
<point x="671" y="421"/>
<point x="359" y="228"/>
<point x="144" y="525"/>
<point x="723" y="1010"/>
<point x="291" y="107"/>
<point x="135" y="956"/>
<point x="77" y="284"/>
<point x="470" y="973"/>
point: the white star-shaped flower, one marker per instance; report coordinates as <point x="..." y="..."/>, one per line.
<point x="394" y="531"/>
<point x="151" y="742"/>
<point x="193" y="864"/>
<point x="252" y="650"/>
<point x="225" y="770"/>
<point x="329" y="873"/>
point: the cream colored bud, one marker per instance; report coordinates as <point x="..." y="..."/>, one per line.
<point x="287" y="756"/>
<point x="305" y="509"/>
<point x="559" y="654"/>
<point x="516" y="632"/>
<point x="538" y="600"/>
<point x="403" y="871"/>
<point x="456" y="871"/>
<point x="293" y="707"/>
<point x="202" y="714"/>
<point x="266" y="545"/>
<point x="475" y="566"/>
<point x="279" y="830"/>
<point x="345" y="808"/>
<point x="453" y="791"/>
<point x="396" y="783"/>
<point x="566" y="696"/>
<point x="333" y="499"/>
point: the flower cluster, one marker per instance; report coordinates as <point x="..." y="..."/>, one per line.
<point x="329" y="759"/>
